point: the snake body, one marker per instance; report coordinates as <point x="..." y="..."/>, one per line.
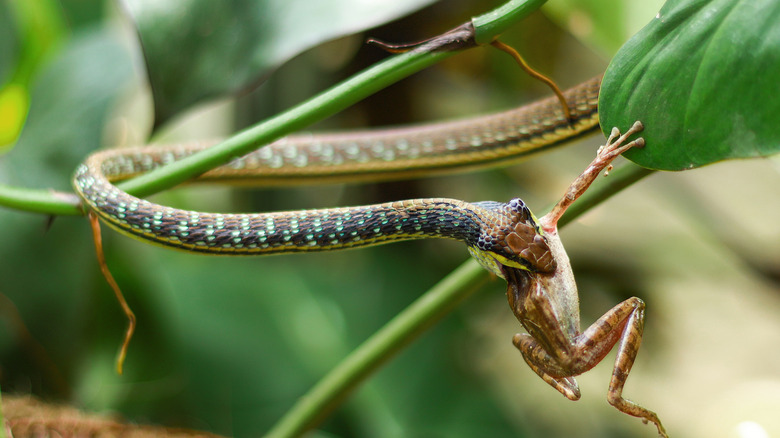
<point x="495" y="233"/>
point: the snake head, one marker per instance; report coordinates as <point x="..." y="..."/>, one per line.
<point x="516" y="241"/>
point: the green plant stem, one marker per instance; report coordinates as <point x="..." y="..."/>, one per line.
<point x="332" y="389"/>
<point x="489" y="26"/>
<point x="317" y="108"/>
<point x="40" y="201"/>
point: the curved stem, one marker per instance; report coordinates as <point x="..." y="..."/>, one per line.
<point x="490" y="25"/>
<point x="317" y="108"/>
<point x="40" y="201"/>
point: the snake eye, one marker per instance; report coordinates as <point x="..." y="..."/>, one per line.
<point x="518" y="206"/>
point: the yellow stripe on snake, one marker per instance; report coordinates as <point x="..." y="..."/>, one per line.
<point x="495" y="233"/>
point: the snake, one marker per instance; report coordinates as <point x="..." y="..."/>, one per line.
<point x="496" y="233"/>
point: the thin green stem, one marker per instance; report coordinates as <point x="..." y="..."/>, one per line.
<point x="40" y="201"/>
<point x="332" y="389"/>
<point x="317" y="108"/>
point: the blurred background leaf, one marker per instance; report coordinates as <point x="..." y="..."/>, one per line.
<point x="30" y="31"/>
<point x="227" y="344"/>
<point x="71" y="102"/>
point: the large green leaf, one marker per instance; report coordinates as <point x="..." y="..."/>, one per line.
<point x="703" y="78"/>
<point x="198" y="49"/>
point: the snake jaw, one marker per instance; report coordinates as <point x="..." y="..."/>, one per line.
<point x="488" y="260"/>
<point x="521" y="248"/>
